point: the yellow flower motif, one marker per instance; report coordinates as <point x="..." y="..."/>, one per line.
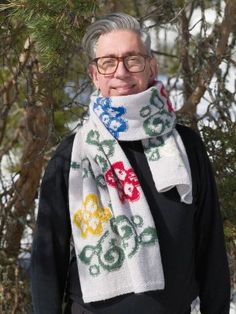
<point x="90" y="218"/>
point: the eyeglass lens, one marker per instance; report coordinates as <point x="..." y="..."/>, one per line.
<point x="133" y="64"/>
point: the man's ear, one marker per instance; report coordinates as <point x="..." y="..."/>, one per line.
<point x="153" y="70"/>
<point x="93" y="73"/>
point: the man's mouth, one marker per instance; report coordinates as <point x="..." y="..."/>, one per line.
<point x="124" y="89"/>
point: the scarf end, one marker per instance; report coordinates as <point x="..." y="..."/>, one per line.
<point x="160" y="285"/>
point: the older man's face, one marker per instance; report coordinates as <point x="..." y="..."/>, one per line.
<point x="122" y="43"/>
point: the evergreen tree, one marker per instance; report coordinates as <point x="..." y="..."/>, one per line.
<point x="43" y="88"/>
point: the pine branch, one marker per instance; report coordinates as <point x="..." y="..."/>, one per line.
<point x="56" y="26"/>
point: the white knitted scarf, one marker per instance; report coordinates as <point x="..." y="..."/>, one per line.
<point x="113" y="230"/>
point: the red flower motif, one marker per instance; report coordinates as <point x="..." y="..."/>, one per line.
<point x="124" y="180"/>
<point x="169" y="104"/>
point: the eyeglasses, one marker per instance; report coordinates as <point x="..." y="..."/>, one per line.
<point x="109" y="65"/>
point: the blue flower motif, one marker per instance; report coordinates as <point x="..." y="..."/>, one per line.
<point x="116" y="126"/>
<point x="110" y="116"/>
<point x="105" y="118"/>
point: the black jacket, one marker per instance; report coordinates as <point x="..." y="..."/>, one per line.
<point x="190" y="236"/>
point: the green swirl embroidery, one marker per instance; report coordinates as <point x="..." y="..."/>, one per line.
<point x="156" y="123"/>
<point x="137" y="220"/>
<point x="107" y="147"/>
<point x="111" y="259"/>
<point x="151" y="147"/>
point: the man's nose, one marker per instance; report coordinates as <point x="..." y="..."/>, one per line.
<point x="121" y="69"/>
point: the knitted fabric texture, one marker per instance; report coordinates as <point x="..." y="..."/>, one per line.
<point x="113" y="230"/>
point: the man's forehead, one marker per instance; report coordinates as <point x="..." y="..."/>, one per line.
<point x="124" y="54"/>
<point x="119" y="43"/>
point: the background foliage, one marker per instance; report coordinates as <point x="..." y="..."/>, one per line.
<point x="44" y="90"/>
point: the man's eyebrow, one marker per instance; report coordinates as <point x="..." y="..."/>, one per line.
<point x="128" y="53"/>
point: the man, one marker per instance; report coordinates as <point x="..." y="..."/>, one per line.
<point x="134" y="192"/>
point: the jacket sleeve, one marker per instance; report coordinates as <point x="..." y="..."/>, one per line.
<point x="51" y="244"/>
<point x="212" y="270"/>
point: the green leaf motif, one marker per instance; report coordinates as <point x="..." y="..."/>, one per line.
<point x="75" y="165"/>
<point x="108" y="147"/>
<point x="93" y="137"/>
<point x="148" y="236"/>
<point x="102" y="162"/>
<point x="86" y="168"/>
<point x="100" y="181"/>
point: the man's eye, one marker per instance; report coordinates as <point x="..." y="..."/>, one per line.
<point x="108" y="62"/>
<point x="133" y="60"/>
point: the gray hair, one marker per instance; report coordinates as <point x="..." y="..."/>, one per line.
<point x="112" y="22"/>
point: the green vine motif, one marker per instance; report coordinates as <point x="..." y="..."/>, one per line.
<point x="89" y="251"/>
<point x="106" y="146"/>
<point x="113" y="258"/>
<point x="102" y="162"/>
<point x="127" y="230"/>
<point x="155" y="123"/>
<point x="94" y="270"/>
<point x="100" y="181"/>
<point x="151" y="148"/>
<point x="123" y="227"/>
<point x="145" y="111"/>
<point x="75" y="165"/>
<point x="93" y="137"/>
<point x="156" y="101"/>
<point x="137" y="220"/>
<point x="86" y="168"/>
<point x="148" y="236"/>
<point x="168" y="122"/>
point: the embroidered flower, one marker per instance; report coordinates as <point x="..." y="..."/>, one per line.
<point x="110" y="116"/>
<point x="90" y="218"/>
<point x="124" y="180"/>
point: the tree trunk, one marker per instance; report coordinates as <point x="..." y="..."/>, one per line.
<point x="36" y="134"/>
